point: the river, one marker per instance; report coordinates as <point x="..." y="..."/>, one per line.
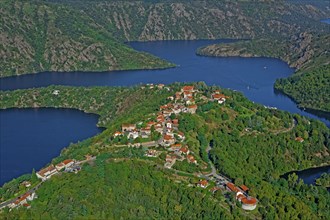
<point x="30" y="138"/>
<point x="252" y="76"/>
<point x="310" y="175"/>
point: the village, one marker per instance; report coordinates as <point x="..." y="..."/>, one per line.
<point x="68" y="166"/>
<point x="171" y="141"/>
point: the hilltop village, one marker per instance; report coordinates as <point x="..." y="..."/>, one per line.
<point x="172" y="141"/>
<point x="160" y="134"/>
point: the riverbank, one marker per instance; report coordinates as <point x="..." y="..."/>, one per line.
<point x="310" y="175"/>
<point x="240" y="132"/>
<point x="309" y="86"/>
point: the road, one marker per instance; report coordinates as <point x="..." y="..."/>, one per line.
<point x="214" y="170"/>
<point x="32" y="190"/>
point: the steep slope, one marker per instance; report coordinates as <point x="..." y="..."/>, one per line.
<point x="307" y="52"/>
<point x="251" y="145"/>
<point x="39" y="37"/>
<point x="171" y="20"/>
<point x="87" y="35"/>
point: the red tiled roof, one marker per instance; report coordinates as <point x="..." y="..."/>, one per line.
<point x="203" y="182"/>
<point x="232" y="187"/>
<point x="214" y="189"/>
<point x="191" y="158"/>
<point x="192" y="106"/>
<point x="45" y="170"/>
<point x="218" y="96"/>
<point x="244" y="188"/>
<point x="181" y="133"/>
<point x="168" y="137"/>
<point x="184" y="149"/>
<point x="188" y="88"/>
<point x="300" y="139"/>
<point x="22" y="198"/>
<point x="249" y="200"/>
<point x="128" y="125"/>
<point x="67" y="161"/>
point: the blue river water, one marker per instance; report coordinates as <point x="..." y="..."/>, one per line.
<point x="30" y="138"/>
<point x="252" y="76"/>
<point x="326" y="20"/>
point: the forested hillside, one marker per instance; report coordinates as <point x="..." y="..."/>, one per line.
<point x="250" y="144"/>
<point x="88" y="35"/>
<point x="307" y="52"/>
<point x="37" y="37"/>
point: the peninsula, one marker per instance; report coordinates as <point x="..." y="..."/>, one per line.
<point x="194" y="142"/>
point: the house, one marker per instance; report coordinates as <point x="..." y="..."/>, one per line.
<point x="175" y="147"/>
<point x="187" y="95"/>
<point x="168" y="140"/>
<point x="160" y="86"/>
<point x="299" y="139"/>
<point x="214" y="189"/>
<point x="22" y="200"/>
<point x="220" y="98"/>
<point x="68" y="162"/>
<point x="146" y="130"/>
<point x="191" y="159"/>
<point x="133" y="134"/>
<point x="169" y="124"/>
<point x="190" y="102"/>
<point x="89" y="157"/>
<point x="26" y="184"/>
<point x="167" y="113"/>
<point x="231" y="187"/>
<point x="244" y="188"/>
<point x="159" y="127"/>
<point x="169" y="161"/>
<point x="128" y="127"/>
<point x="203" y="184"/>
<point x="248" y="203"/>
<point x="175" y="122"/>
<point x="187" y="89"/>
<point x="47" y="172"/>
<point x="56" y="92"/>
<point x="178" y="95"/>
<point x="184" y="150"/>
<point x="65" y="164"/>
<point x="161" y="118"/>
<point x="170" y="98"/>
<point x="163" y="107"/>
<point x="181" y="135"/>
<point x="59" y="166"/>
<point x="27" y="205"/>
<point x="150" y="124"/>
<point x="177" y="110"/>
<point x="192" y="109"/>
<point x="117" y="133"/>
<point x="151" y="153"/>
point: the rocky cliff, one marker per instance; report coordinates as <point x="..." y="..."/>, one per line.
<point x="88" y="35"/>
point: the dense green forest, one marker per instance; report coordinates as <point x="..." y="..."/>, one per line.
<point x="309" y="88"/>
<point x="88" y="35"/>
<point x="251" y="144"/>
